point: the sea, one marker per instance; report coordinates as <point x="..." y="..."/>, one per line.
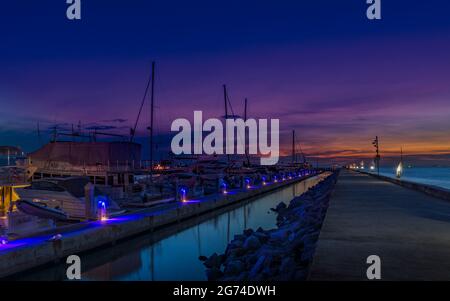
<point x="436" y="176"/>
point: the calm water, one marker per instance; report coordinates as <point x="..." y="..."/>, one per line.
<point x="437" y="176"/>
<point x="175" y="257"/>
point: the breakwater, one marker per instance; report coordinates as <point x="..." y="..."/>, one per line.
<point x="280" y="254"/>
<point x="435" y="191"/>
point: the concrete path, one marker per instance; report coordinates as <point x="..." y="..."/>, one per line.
<point x="408" y="230"/>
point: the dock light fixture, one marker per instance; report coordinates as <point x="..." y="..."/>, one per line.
<point x="264" y="181"/>
<point x="275" y="180"/>
<point x="224" y="188"/>
<point x="3" y="241"/>
<point x="247" y="183"/>
<point x="102" y="208"/>
<point x="183" y="193"/>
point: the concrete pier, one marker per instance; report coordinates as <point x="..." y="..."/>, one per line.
<point x="22" y="254"/>
<point x="407" y="229"/>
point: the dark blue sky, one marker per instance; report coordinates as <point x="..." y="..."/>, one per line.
<point x="39" y="29"/>
<point x="339" y="73"/>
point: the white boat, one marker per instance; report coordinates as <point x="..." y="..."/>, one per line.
<point x="66" y="194"/>
<point x="41" y="210"/>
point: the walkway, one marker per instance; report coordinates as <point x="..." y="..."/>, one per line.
<point x="408" y="230"/>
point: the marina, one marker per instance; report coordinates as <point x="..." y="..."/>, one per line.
<point x="223" y="143"/>
<point x="155" y="255"/>
<point x="58" y="242"/>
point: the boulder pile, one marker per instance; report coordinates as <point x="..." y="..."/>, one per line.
<point x="280" y="254"/>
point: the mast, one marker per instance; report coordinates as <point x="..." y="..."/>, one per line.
<point x="246" y="146"/>
<point x="151" y="117"/>
<point x="39" y="134"/>
<point x="225" y="99"/>
<point x="293" y="146"/>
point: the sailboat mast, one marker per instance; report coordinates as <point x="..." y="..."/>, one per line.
<point x="225" y="99"/>
<point x="151" y="117"/>
<point x="293" y="146"/>
<point x="246" y="146"/>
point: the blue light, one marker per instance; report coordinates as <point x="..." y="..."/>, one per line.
<point x="183" y="192"/>
<point x="224" y="188"/>
<point x="247" y="183"/>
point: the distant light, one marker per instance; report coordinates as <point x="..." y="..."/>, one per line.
<point x="372" y="167"/>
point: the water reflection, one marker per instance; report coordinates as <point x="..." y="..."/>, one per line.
<point x="175" y="257"/>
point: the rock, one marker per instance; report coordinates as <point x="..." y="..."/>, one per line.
<point x="242" y="277"/>
<point x="252" y="243"/>
<point x="213" y="262"/>
<point x="239" y="237"/>
<point x="280" y="234"/>
<point x="237" y="243"/>
<point x="213" y="274"/>
<point x="236" y="252"/>
<point x="263" y="237"/>
<point x="202" y="258"/>
<point x="234" y="268"/>
<point x="281" y="206"/>
<point x="248" y="232"/>
<point x="257" y="267"/>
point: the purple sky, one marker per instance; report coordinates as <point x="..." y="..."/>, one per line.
<point x="337" y="92"/>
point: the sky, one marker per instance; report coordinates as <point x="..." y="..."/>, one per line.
<point x="320" y="66"/>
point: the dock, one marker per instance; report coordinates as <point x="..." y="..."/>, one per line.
<point x="408" y="229"/>
<point x="25" y="253"/>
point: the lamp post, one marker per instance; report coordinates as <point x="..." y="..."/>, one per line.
<point x="377" y="156"/>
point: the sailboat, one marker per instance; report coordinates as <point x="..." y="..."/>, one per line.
<point x="399" y="170"/>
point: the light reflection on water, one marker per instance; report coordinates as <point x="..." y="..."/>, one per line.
<point x="175" y="257"/>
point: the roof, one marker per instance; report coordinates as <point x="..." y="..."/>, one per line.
<point x="88" y="153"/>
